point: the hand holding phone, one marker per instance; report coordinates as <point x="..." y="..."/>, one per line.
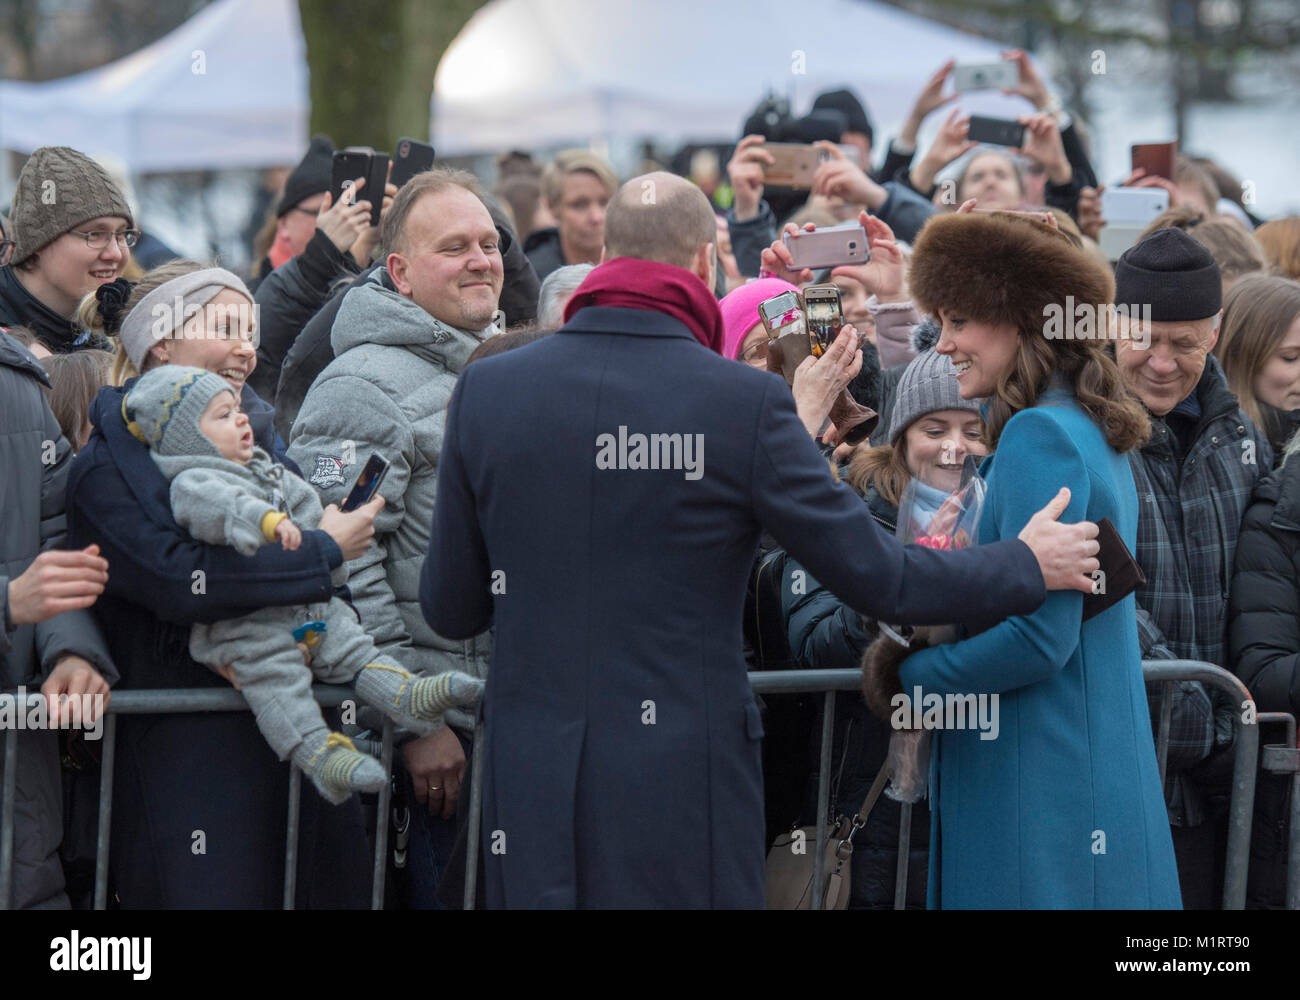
<point x="349" y="166"/>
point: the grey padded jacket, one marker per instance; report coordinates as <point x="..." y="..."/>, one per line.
<point x="387" y="391"/>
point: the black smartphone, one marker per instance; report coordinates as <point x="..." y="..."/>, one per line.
<point x="367" y="484"/>
<point x="412" y="157"/>
<point x="376" y="181"/>
<point x="349" y="166"/>
<point x="996" y="131"/>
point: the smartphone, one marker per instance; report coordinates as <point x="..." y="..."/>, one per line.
<point x="349" y="166"/>
<point x="829" y="246"/>
<point x="825" y="316"/>
<point x="1133" y="206"/>
<point x="787" y="331"/>
<point x="996" y="131"/>
<point x="1115" y="238"/>
<point x="1001" y="75"/>
<point x="794" y="167"/>
<point x="376" y="181"/>
<point x="367" y="484"/>
<point x="1156" y="158"/>
<point x="412" y="157"/>
<point x="782" y="314"/>
<point x="1044" y="217"/>
<point x="851" y="153"/>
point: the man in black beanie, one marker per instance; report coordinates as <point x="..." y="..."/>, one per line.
<point x="313" y="249"/>
<point x="1194" y="478"/>
<point x="301" y="201"/>
<point x="858" y="131"/>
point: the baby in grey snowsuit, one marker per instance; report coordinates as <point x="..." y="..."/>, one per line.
<point x="227" y="491"/>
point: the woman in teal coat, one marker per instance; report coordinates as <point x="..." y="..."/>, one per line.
<point x="1063" y="808"/>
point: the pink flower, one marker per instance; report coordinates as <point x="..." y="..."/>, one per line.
<point x="935" y="541"/>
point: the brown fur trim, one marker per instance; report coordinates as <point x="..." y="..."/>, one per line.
<point x="880" y="666"/>
<point x="1001" y="267"/>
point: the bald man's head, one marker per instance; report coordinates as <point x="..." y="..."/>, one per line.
<point x="659" y="217"/>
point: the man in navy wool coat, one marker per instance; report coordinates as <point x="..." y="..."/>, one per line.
<point x="600" y="498"/>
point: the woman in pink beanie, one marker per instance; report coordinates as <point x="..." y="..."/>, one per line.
<point x="744" y="338"/>
<point x="820" y="384"/>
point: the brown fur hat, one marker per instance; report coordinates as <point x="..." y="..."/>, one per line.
<point x="1000" y="267"/>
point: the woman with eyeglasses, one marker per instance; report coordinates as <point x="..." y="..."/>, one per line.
<point x="72" y="231"/>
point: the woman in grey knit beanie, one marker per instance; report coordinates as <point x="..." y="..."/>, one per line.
<point x="73" y="232"/>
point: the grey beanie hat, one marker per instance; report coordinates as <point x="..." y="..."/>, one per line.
<point x="163" y="408"/>
<point x="59" y="189"/>
<point x="928" y="384"/>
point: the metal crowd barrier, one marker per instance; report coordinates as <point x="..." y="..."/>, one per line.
<point x="183" y="700"/>
<point x="1285" y="759"/>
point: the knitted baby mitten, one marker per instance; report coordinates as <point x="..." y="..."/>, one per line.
<point x="336" y="767"/>
<point x="413" y="702"/>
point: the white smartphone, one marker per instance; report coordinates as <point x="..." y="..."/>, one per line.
<point x="829" y="246"/>
<point x="1116" y="238"/>
<point x="1133" y="206"/>
<point x="1002" y="75"/>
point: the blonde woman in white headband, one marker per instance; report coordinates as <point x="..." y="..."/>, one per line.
<point x="209" y="771"/>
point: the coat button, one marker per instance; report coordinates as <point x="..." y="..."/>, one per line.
<point x="1215" y="439"/>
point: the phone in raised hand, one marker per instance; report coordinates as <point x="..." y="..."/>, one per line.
<point x="794" y="165"/>
<point x="825" y="316"/>
<point x="349" y="166"/>
<point x="996" y="131"/>
<point x="829" y="246"/>
<point x="1002" y="75"/>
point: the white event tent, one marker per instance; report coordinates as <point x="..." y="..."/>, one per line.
<point x="226" y="89"/>
<point x="534" y="74"/>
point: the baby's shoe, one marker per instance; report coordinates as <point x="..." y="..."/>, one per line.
<point x="414" y="702"/>
<point x="336" y="767"/>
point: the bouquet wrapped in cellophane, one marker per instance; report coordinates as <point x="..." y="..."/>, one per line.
<point x="926" y="516"/>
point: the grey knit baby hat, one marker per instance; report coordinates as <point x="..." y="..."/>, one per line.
<point x="58" y="189"/>
<point x="928" y="384"/>
<point x="163" y="409"/>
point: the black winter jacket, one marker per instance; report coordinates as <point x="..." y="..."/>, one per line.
<point x="1264" y="651"/>
<point x="19" y="307"/>
<point x="825" y="634"/>
<point x="544" y="252"/>
<point x="287" y="298"/>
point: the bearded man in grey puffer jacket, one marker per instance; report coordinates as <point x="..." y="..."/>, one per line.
<point x="400" y="340"/>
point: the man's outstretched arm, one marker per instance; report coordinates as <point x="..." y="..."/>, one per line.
<point x="827" y="527"/>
